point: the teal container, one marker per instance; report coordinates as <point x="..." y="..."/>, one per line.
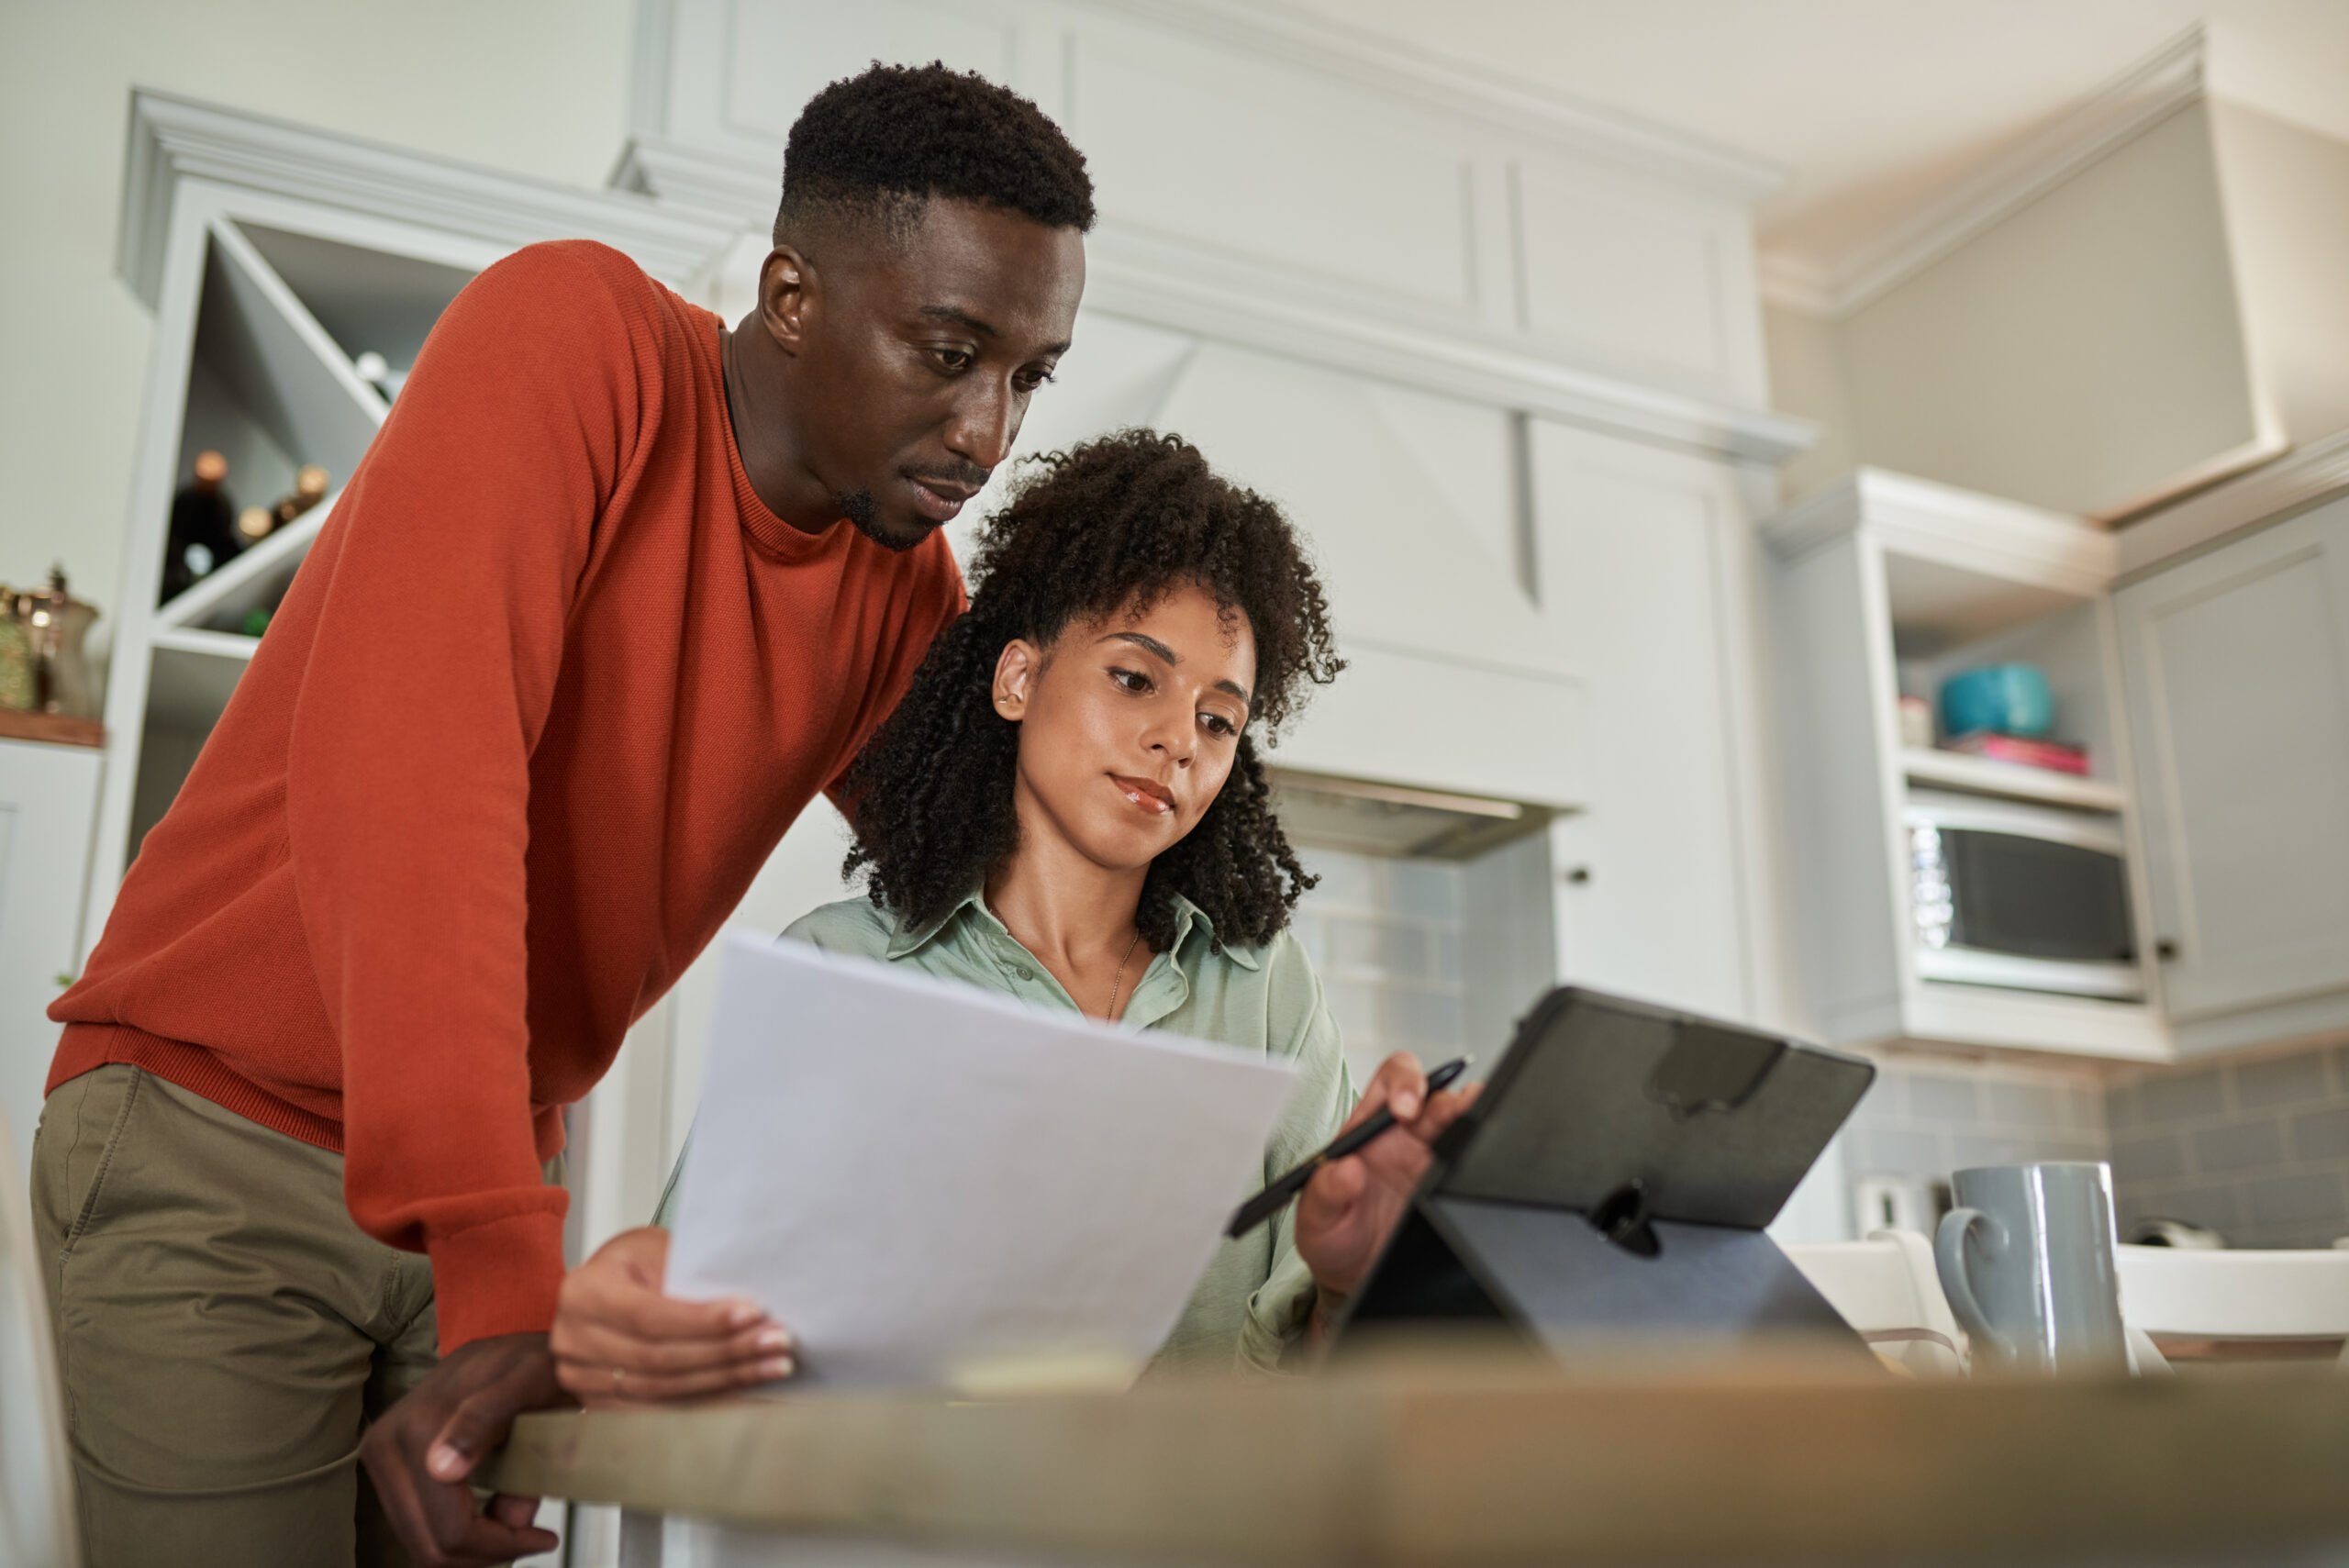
<point x="2011" y="699"/>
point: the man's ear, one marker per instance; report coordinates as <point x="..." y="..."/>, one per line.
<point x="1015" y="678"/>
<point x="789" y="289"/>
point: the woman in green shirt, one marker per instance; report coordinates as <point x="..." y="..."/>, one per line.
<point x="1068" y="806"/>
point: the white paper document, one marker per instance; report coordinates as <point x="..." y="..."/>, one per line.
<point x="924" y="1180"/>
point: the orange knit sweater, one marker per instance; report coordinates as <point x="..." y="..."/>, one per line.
<point x="548" y="688"/>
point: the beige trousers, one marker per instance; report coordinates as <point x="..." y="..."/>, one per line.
<point x="223" y="1329"/>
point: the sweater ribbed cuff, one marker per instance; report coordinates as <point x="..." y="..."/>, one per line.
<point x="497" y="1277"/>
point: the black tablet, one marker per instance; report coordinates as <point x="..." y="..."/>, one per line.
<point x="1614" y="1178"/>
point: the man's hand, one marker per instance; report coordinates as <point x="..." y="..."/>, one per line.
<point x="1347" y="1209"/>
<point x="618" y="1340"/>
<point x="420" y="1452"/>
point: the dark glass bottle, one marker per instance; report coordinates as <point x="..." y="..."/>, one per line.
<point x="257" y="523"/>
<point x="202" y="532"/>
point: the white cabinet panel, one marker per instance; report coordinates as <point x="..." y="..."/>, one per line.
<point x="1471" y="451"/>
<point x="48" y="800"/>
<point x="1651" y="281"/>
<point x="1266" y="161"/>
<point x="779" y="53"/>
<point x="2238" y="674"/>
<point x="1404" y="569"/>
<point x="1638" y="550"/>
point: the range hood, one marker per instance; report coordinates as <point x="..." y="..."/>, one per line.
<point x="1362" y="817"/>
<point x="2150" y="305"/>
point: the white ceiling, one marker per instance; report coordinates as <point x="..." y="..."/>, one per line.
<point x="1875" y="108"/>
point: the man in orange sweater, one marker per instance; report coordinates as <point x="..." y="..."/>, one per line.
<point x="613" y="594"/>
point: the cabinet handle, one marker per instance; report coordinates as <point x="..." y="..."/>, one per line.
<point x="2165" y="950"/>
<point x="1578" y="875"/>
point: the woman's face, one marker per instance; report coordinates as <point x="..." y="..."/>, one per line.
<point x="1128" y="724"/>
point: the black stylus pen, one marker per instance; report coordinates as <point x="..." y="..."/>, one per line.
<point x="1269" y="1202"/>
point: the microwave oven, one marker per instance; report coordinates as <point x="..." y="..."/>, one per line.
<point x="2025" y="896"/>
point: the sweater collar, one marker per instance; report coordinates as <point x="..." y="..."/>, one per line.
<point x="772" y="533"/>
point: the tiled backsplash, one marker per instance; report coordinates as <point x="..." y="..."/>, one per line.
<point x="1385" y="935"/>
<point x="2257" y="1150"/>
<point x="1431" y="957"/>
<point x="1924" y="1118"/>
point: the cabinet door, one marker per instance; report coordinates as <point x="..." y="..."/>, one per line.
<point x="48" y="797"/>
<point x="2237" y="666"/>
<point x="1642" y="560"/>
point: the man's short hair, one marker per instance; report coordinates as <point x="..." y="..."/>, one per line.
<point x="878" y="144"/>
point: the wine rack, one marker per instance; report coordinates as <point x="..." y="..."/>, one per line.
<point x="268" y="384"/>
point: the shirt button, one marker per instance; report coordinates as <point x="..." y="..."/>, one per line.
<point x="1024" y="973"/>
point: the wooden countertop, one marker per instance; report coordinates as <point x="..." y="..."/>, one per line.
<point x="54" y="728"/>
<point x="1470" y="1461"/>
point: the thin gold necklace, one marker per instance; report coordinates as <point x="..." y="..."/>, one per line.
<point x="1119" y="979"/>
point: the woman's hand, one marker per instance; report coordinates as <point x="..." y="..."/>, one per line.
<point x="1347" y="1209"/>
<point x="618" y="1340"/>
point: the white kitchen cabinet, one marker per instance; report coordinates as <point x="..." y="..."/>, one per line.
<point x="1665" y="886"/>
<point x="1882" y="587"/>
<point x="48" y="796"/>
<point x="2237" y="668"/>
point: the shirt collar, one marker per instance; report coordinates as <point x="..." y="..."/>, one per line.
<point x="1189" y="918"/>
<point x="913" y="938"/>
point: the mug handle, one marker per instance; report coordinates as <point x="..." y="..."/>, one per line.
<point x="1949" y="1254"/>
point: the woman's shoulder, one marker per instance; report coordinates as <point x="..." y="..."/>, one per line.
<point x="1280" y="956"/>
<point x="1292" y="987"/>
<point x="854" y="926"/>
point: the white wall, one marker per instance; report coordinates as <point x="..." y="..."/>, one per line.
<point x="537" y="86"/>
<point x="1807" y="378"/>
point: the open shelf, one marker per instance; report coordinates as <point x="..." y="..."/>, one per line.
<point x="268" y="387"/>
<point x="1937" y="606"/>
<point x="194" y="671"/>
<point x="365" y="299"/>
<point x="2014" y="781"/>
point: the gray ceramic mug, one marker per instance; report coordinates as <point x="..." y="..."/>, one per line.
<point x="2026" y="1260"/>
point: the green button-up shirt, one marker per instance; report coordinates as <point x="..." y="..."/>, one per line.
<point x="1256" y="1295"/>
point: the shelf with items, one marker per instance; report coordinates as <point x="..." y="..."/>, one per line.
<point x="1941" y="769"/>
<point x="254" y="579"/>
<point x="2068" y="647"/>
<point x="285" y="323"/>
<point x="1884" y="588"/>
<point x="266" y="386"/>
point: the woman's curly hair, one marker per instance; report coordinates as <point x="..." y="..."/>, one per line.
<point x="1113" y="523"/>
